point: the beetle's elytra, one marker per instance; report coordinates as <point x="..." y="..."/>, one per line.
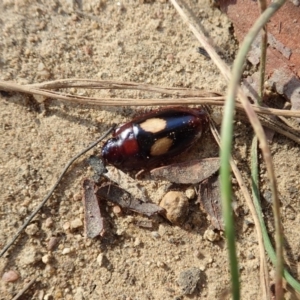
<point x="154" y="137"/>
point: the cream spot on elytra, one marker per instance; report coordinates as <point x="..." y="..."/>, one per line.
<point x="161" y="146"/>
<point x="154" y="125"/>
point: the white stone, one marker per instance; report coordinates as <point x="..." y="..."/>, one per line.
<point x="211" y="236"/>
<point x="66" y="251"/>
<point x="46" y="259"/>
<point x="31" y="229"/>
<point x="76" y="223"/>
<point x="100" y="259"/>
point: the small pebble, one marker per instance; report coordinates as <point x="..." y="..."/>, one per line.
<point x="137" y="242"/>
<point x="59" y="294"/>
<point x="22" y="211"/>
<point x="66" y="226"/>
<point x="202" y="268"/>
<point x="77" y="197"/>
<point x="190" y="193"/>
<point x="155" y="234"/>
<point x="27" y="201"/>
<point x="48" y="297"/>
<point x="100" y="259"/>
<point x="248" y="221"/>
<point x="40" y="295"/>
<point x="41" y="66"/>
<point x="188" y="280"/>
<point x="79" y="294"/>
<point x="40" y="99"/>
<point x="88" y="243"/>
<point x="46" y="259"/>
<point x="31" y="229"/>
<point x="66" y="251"/>
<point x="162" y="229"/>
<point x="197" y="254"/>
<point x="117" y="210"/>
<point x="211" y="236"/>
<point x="120" y="231"/>
<point x="44" y="74"/>
<point x="160" y="264"/>
<point x="251" y="256"/>
<point x="176" y="205"/>
<point x="27" y="52"/>
<point x="52" y="243"/>
<point x="10" y="276"/>
<point x="76" y="223"/>
<point x="74" y="17"/>
<point x="217" y="117"/>
<point x="170" y="58"/>
<point x="48" y="222"/>
<point x="29" y="256"/>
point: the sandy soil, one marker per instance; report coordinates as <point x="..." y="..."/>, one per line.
<point x="128" y="41"/>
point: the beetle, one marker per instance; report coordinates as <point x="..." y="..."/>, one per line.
<point x="154" y="137"/>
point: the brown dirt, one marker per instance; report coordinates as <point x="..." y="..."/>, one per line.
<point x="129" y="41"/>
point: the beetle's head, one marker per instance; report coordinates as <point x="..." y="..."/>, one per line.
<point x="112" y="152"/>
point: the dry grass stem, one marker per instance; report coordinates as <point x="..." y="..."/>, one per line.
<point x="183" y="96"/>
<point x="121" y="85"/>
<point x="280" y="127"/>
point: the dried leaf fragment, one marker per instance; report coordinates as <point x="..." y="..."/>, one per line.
<point x="145" y="224"/>
<point x="210" y="199"/>
<point x="93" y="221"/>
<point x="282" y="51"/>
<point x="126" y="182"/>
<point x="119" y="196"/>
<point x="188" y="172"/>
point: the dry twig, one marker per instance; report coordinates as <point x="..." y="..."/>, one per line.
<point x="26" y="287"/>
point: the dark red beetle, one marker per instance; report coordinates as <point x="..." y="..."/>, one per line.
<point x="154" y="137"/>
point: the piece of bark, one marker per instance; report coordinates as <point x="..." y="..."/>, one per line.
<point x="283" y="56"/>
<point x="210" y="200"/>
<point x="148" y="224"/>
<point x="126" y="182"/>
<point x="121" y="197"/>
<point x="188" y="172"/>
<point x="283" y="29"/>
<point x="288" y="85"/>
<point x="93" y="221"/>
